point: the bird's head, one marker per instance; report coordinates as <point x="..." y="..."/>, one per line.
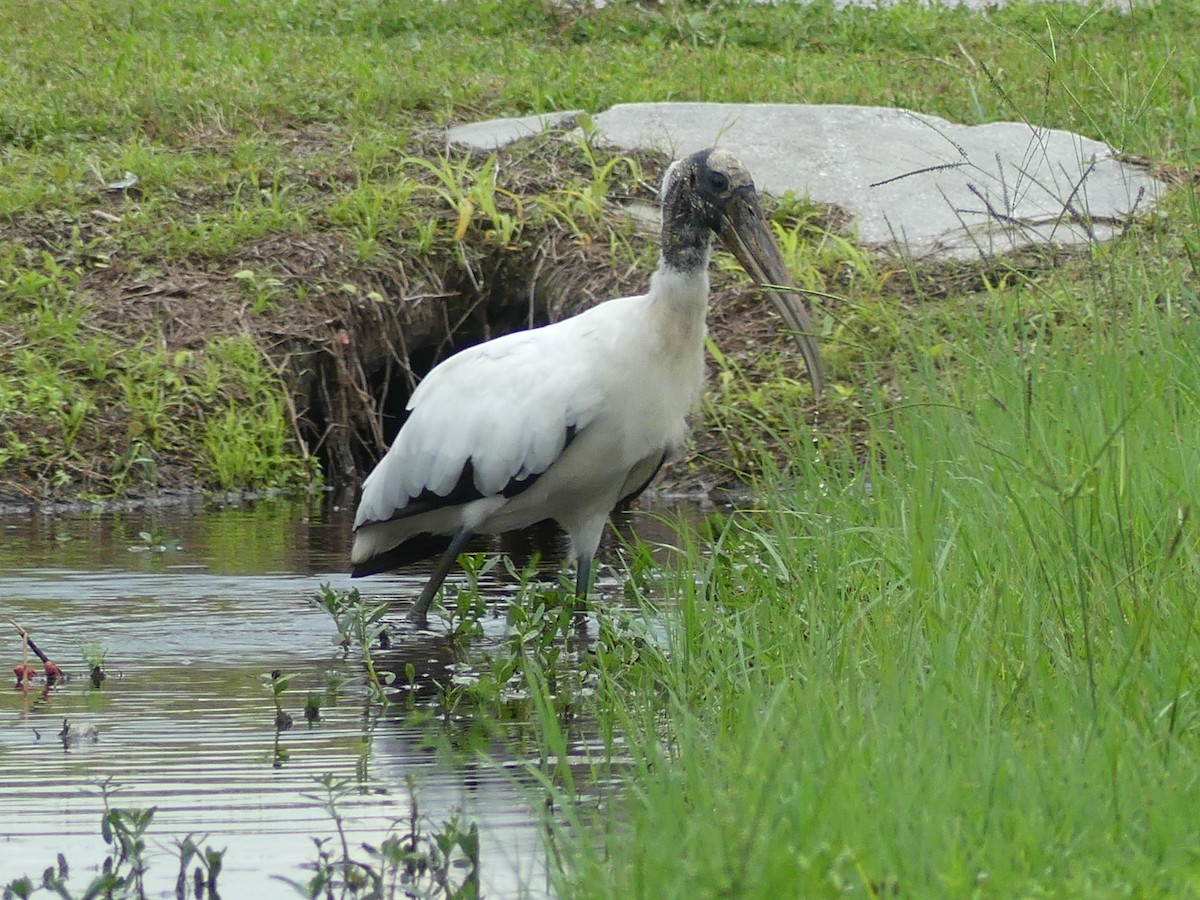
<point x="712" y="191"/>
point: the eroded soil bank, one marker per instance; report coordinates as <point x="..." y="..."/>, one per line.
<point x="262" y="331"/>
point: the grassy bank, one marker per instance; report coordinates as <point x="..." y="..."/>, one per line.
<point x="147" y="334"/>
<point x="966" y="667"/>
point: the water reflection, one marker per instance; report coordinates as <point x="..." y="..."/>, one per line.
<point x="184" y="722"/>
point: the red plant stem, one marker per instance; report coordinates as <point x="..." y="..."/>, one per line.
<point x="34" y="647"/>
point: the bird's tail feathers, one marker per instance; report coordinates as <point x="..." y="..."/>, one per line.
<point x="417" y="548"/>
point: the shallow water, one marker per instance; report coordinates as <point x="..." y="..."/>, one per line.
<point x="184" y="723"/>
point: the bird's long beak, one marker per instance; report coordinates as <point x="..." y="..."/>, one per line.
<point x="745" y="234"/>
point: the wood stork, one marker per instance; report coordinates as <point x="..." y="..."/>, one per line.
<point x="566" y="421"/>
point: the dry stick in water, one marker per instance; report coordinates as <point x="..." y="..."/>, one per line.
<point x="53" y="672"/>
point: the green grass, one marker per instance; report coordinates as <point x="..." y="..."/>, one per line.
<point x="964" y="665"/>
<point x="256" y="127"/>
<point x="168" y="72"/>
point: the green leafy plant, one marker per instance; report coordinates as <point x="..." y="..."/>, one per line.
<point x="359" y="624"/>
<point x="471" y="192"/>
<point x="277" y="683"/>
<point x="153" y="541"/>
<point x="411" y="861"/>
<point x="123" y="872"/>
<point x="262" y="289"/>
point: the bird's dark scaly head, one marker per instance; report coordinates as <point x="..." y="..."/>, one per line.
<point x="711" y="192"/>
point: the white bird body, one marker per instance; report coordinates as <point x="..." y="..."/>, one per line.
<point x="507" y="404"/>
<point x="564" y="421"/>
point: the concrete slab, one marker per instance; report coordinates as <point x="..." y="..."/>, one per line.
<point x="915" y="184"/>
<point x="498" y="132"/>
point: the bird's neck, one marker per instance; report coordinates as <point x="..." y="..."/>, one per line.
<point x="681" y="296"/>
<point x="680" y="284"/>
<point x="686" y="244"/>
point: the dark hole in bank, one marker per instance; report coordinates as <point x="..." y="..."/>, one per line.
<point x="357" y="401"/>
<point x="353" y="389"/>
<point x="391" y="386"/>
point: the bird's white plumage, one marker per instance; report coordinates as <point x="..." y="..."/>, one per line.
<point x="506" y="405"/>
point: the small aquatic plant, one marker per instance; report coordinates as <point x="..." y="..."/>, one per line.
<point x="123" y="871"/>
<point x="276" y="682"/>
<point x="412" y="861"/>
<point x="204" y="876"/>
<point x="312" y="708"/>
<point x="360" y="623"/>
<point x="94" y="657"/>
<point x="153" y="541"/>
<point x="463" y="614"/>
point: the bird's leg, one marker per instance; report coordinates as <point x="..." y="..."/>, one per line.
<point x="583" y="577"/>
<point x="583" y="580"/>
<point x="418" y="615"/>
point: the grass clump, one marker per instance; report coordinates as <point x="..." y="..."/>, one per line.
<point x="79" y="408"/>
<point x="959" y="659"/>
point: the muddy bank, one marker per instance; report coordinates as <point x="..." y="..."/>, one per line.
<point x="487" y="244"/>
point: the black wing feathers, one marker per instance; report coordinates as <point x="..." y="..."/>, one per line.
<point x="465" y="491"/>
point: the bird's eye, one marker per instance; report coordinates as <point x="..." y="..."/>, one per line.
<point x="718" y="182"/>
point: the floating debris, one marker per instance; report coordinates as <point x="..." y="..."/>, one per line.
<point x="122" y="185"/>
<point x="26" y="673"/>
<point x="77" y="737"/>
